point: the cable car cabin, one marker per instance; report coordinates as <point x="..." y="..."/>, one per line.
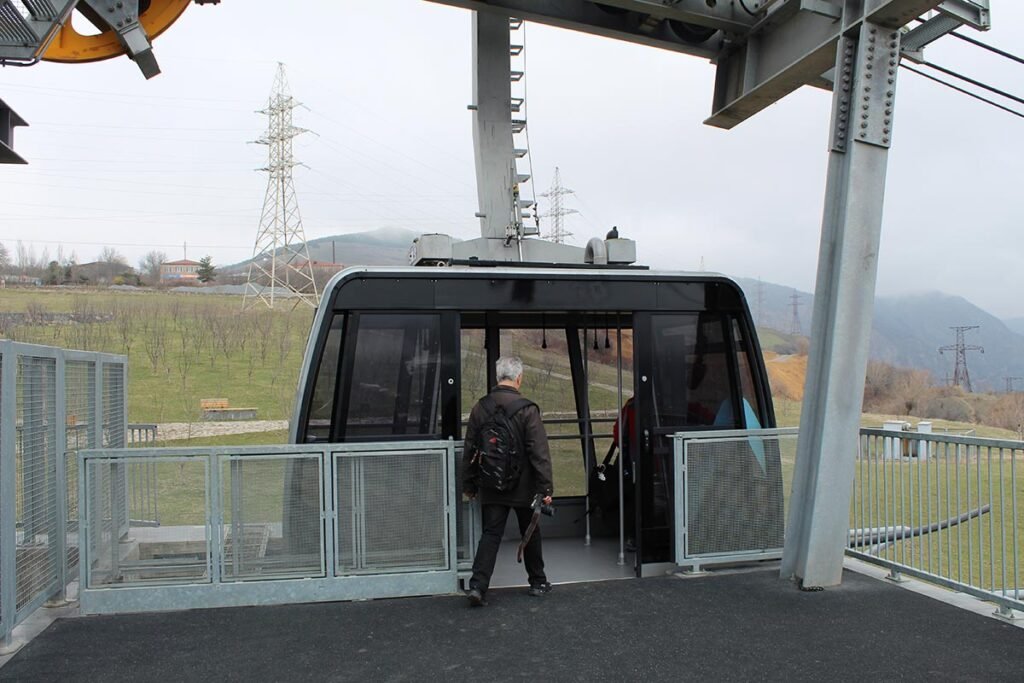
<point x="404" y="353"/>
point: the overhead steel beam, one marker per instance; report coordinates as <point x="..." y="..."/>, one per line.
<point x="793" y="46"/>
<point x="8" y="121"/>
<point x="638" y="25"/>
<point x="951" y="15"/>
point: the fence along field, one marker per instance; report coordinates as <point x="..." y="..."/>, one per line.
<point x="181" y="348"/>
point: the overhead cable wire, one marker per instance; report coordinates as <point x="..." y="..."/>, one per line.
<point x="962" y="90"/>
<point x="986" y="46"/>
<point x="954" y="74"/>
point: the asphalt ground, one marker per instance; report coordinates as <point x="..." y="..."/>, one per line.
<point x="749" y="626"/>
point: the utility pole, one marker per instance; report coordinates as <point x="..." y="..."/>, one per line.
<point x="557" y="212"/>
<point x="795" y="328"/>
<point x="280" y="258"/>
<point x="1010" y="381"/>
<point x="961" y="377"/>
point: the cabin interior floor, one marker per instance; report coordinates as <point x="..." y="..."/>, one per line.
<point x="566" y="560"/>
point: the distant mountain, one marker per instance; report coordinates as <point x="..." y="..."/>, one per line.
<point x="1015" y="324"/>
<point x="381" y="247"/>
<point x="907" y="331"/>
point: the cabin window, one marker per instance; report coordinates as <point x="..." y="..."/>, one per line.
<point x="396" y="370"/>
<point x="691" y="374"/>
<point x="753" y="419"/>
<point x="321" y="407"/>
<point x="473" y="353"/>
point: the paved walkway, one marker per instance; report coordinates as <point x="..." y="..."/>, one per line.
<point x="741" y="626"/>
<point x="170" y="431"/>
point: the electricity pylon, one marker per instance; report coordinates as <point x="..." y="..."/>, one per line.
<point x="280" y="258"/>
<point x="557" y="212"/>
<point x="961" y="377"/>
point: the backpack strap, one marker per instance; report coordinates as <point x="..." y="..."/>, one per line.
<point x="489" y="405"/>
<point x="515" y="406"/>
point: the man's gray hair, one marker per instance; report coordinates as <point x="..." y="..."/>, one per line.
<point x="509" y="367"/>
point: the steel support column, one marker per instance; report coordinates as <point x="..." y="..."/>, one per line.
<point x="492" y="123"/>
<point x="861" y="131"/>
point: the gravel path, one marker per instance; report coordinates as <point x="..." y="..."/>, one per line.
<point x="169" y="431"/>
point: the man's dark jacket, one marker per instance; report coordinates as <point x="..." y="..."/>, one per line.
<point x="535" y="462"/>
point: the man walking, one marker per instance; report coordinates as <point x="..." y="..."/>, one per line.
<point x="507" y="474"/>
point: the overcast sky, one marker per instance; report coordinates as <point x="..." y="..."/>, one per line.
<point x="139" y="165"/>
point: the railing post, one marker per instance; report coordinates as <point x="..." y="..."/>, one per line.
<point x="1004" y="612"/>
<point x="215" y="513"/>
<point x="8" y="531"/>
<point x="59" y="598"/>
<point x="328" y="511"/>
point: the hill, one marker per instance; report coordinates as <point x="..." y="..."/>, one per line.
<point x="380" y="247"/>
<point x="1015" y="324"/>
<point x="907" y="331"/>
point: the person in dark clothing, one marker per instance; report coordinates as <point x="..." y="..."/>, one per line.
<point x="535" y="478"/>
<point x="628" y="418"/>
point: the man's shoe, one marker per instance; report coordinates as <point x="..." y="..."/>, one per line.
<point x="476" y="598"/>
<point x="540" y="590"/>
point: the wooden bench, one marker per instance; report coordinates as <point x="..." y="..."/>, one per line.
<point x="213" y="403"/>
<point x="220" y="409"/>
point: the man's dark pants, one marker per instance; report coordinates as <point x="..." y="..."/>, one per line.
<point x="494" y="518"/>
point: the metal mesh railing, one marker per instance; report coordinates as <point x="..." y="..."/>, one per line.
<point x="943" y="508"/>
<point x="39" y="552"/>
<point x="143" y="490"/>
<point x="80" y="428"/>
<point x="255" y="525"/>
<point x="6" y="614"/>
<point x="731" y="485"/>
<point x="49" y="408"/>
<point x="175" y="552"/>
<point x="256" y="542"/>
<point x="391" y="513"/>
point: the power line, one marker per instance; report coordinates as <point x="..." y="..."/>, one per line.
<point x="954" y="74"/>
<point x="988" y="47"/>
<point x="961" y="90"/>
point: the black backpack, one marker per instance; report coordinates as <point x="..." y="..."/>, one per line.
<point x="498" y="445"/>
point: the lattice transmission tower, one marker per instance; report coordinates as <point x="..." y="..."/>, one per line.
<point x="961" y="376"/>
<point x="280" y="258"/>
<point x="795" y="328"/>
<point x="558" y="211"/>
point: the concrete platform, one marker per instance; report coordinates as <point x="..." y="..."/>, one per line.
<point x="746" y="625"/>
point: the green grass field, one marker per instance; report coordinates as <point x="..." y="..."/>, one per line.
<point x="181" y="348"/>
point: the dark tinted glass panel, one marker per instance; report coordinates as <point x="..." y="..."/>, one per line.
<point x="321" y="407"/>
<point x="690" y="370"/>
<point x="395" y="377"/>
<point x="474" y="370"/>
<point x="751" y="410"/>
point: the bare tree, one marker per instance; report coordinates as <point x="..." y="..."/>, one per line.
<point x="5" y="258"/>
<point x="27" y="262"/>
<point x="149" y="266"/>
<point x="124" y="320"/>
<point x="111" y="255"/>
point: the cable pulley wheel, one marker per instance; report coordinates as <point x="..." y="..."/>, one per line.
<point x="69" y="46"/>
